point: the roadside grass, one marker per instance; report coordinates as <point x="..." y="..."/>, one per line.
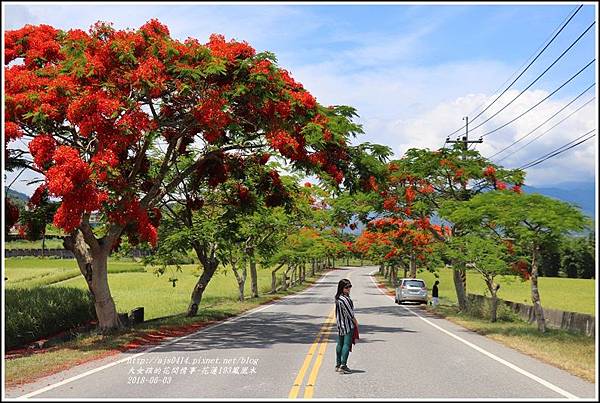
<point x="162" y="315"/>
<point x="24" y="244"/>
<point x="572" y="352"/>
<point x="565" y="294"/>
<point x="27" y="272"/>
<point x="158" y="296"/>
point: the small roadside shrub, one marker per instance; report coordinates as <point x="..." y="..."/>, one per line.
<point x="505" y="314"/>
<point x="40" y="312"/>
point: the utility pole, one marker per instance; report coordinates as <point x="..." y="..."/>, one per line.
<point x="465" y="139"/>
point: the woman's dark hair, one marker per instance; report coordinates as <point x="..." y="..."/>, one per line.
<point x="341" y="285"/>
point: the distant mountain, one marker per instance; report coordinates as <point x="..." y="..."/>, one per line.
<point x="582" y="194"/>
<point x="19" y="198"/>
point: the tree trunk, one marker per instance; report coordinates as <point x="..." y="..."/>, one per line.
<point x="44" y="244"/>
<point x="461" y="293"/>
<point x="94" y="268"/>
<point x="535" y="294"/>
<point x="382" y="268"/>
<point x="285" y="284"/>
<point x="361" y="262"/>
<point x="241" y="278"/>
<point x="274" y="279"/>
<point x="312" y="268"/>
<point x="394" y="276"/>
<point x="494" y="300"/>
<point x="207" y="274"/>
<point x="253" y="276"/>
<point x="413" y="266"/>
<point x="333" y="263"/>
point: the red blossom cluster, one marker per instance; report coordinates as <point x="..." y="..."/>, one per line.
<point x="39" y="195"/>
<point x="521" y="267"/>
<point x="212" y="117"/>
<point x="12" y="131"/>
<point x="150" y="73"/>
<point x="93" y="112"/>
<point x="489" y="171"/>
<point x="139" y="223"/>
<point x="263" y="67"/>
<point x="231" y="50"/>
<point x="286" y="144"/>
<point x="40" y="47"/>
<point x="42" y="149"/>
<point x="214" y="168"/>
<point x="406" y="236"/>
<point x="499" y="185"/>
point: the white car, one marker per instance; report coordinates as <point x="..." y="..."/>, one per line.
<point x="411" y="289"/>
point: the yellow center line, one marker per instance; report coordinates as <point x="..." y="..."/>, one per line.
<point x="300" y="377"/>
<point x="310" y="385"/>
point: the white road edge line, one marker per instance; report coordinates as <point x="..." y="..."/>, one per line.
<point x="485" y="352"/>
<point x="112" y="364"/>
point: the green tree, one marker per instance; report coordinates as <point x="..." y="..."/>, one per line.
<point x="529" y="219"/>
<point x="550" y="257"/>
<point x="577" y="256"/>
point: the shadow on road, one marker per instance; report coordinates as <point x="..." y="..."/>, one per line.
<point x="266" y="329"/>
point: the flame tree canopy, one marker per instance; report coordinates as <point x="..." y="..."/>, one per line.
<point x="94" y="107"/>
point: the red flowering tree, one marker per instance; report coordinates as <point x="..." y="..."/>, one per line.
<point x="407" y="243"/>
<point x="422" y="180"/>
<point x="98" y="107"/>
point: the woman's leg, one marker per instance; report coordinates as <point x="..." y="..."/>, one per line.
<point x="338" y="351"/>
<point x="345" y="349"/>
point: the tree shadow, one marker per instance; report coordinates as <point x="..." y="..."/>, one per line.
<point x="267" y="329"/>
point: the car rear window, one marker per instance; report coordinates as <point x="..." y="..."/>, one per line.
<point x="414" y="283"/>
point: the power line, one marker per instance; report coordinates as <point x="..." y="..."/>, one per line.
<point x="559" y="150"/>
<point x="538" y="77"/>
<point x="559" y="29"/>
<point x="536" y="105"/>
<point x="539" y="54"/>
<point x="546" y="131"/>
<point x="546" y="121"/>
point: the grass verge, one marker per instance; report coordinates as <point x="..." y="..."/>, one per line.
<point x="575" y="353"/>
<point x="87" y="347"/>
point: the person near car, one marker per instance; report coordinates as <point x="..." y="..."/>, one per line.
<point x="435" y="293"/>
<point x="346" y="324"/>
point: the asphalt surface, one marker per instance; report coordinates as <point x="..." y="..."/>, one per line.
<point x="287" y="350"/>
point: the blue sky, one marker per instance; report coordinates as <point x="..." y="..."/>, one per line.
<point x="411" y="70"/>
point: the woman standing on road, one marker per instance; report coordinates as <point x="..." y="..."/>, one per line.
<point x="346" y="323"/>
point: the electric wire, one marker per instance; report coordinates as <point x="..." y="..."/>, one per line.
<point x="559" y="150"/>
<point x="519" y="76"/>
<point x="540" y="102"/>
<point x="554" y="35"/>
<point x="543" y="123"/>
<point x="536" y="80"/>
<point x="546" y="131"/>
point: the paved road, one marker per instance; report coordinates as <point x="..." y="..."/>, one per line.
<point x="287" y="350"/>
